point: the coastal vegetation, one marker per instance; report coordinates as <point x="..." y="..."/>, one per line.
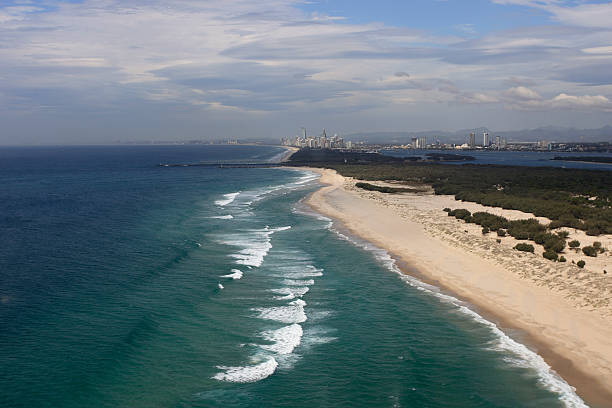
<point x="575" y="198"/>
<point x="589" y="159"/>
<point x="589" y="251"/>
<point x="389" y="190"/>
<point x="528" y="229"/>
<point x="524" y="247"/>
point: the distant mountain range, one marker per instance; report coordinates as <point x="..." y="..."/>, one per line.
<point x="549" y="133"/>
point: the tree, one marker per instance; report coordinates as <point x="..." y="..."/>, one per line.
<point x="581" y="264"/>
<point x="589" y="251"/>
<point x="574" y="244"/>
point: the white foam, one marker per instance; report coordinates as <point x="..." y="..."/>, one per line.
<point x="255" y="245"/>
<point x="290" y="293"/>
<point x="308" y="177"/>
<point x="228" y="199"/>
<point x="220" y="286"/>
<point x="247" y="374"/>
<point x="317" y="335"/>
<point x="294" y="313"/>
<point x="223" y="217"/>
<point x="284" y="339"/>
<point x="525" y="357"/>
<point x="299" y="272"/>
<point x="236" y="274"/>
<point x="298" y="282"/>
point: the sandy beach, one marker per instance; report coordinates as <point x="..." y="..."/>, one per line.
<point x="557" y="309"/>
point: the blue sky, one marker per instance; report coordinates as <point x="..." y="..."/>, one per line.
<point x="96" y="71"/>
<point x="443" y="17"/>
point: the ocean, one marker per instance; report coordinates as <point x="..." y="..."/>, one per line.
<point x="128" y="284"/>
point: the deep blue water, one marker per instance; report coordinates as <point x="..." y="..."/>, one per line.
<point x="126" y="284"/>
<point x="515" y="158"/>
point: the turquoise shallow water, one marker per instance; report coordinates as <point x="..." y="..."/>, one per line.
<point x="124" y="284"/>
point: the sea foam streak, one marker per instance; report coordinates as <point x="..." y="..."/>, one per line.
<point x="247" y="374"/>
<point x="295" y="282"/>
<point x="294" y="313"/>
<point x="255" y="245"/>
<point x="228" y="199"/>
<point x="223" y="217"/>
<point x="284" y="339"/>
<point x="290" y="293"/>
<point x="236" y="274"/>
<point x="526" y="358"/>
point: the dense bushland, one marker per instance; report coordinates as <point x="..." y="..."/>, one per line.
<point x="569" y="197"/>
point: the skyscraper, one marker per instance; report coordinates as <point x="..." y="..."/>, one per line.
<point x="472" y="139"/>
<point x="485" y="139"/>
<point x="422" y="142"/>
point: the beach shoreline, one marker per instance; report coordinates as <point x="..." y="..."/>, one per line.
<point x="571" y="337"/>
<point x="290" y="150"/>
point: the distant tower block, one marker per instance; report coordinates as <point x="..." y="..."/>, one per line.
<point x="485" y="139"/>
<point x="472" y="139"/>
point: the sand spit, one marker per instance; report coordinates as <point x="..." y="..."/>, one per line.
<point x="563" y="311"/>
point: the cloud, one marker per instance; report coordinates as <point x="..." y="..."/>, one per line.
<point x="521" y="92"/>
<point x="584" y="101"/>
<point x="526" y="99"/>
<point x="270" y="58"/>
<point x="587" y="74"/>
<point x="582" y="14"/>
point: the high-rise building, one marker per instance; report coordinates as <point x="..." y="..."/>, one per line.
<point x="422" y="142"/>
<point x="472" y="140"/>
<point x="498" y="141"/>
<point x="415" y="142"/>
<point x="485" y="139"/>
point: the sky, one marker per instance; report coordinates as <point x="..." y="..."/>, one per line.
<point x="101" y="71"/>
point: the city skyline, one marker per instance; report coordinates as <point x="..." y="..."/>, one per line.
<point x="99" y="71"/>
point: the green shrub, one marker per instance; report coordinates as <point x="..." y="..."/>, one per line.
<point x="461" y="213"/>
<point x="554" y="243"/>
<point x="539" y="238"/>
<point x="552" y="255"/>
<point x="485" y="230"/>
<point x="581" y="264"/>
<point x="524" y="247"/>
<point x="501" y="233"/>
<point x="491" y="221"/>
<point x="563" y="234"/>
<point x="574" y="244"/>
<point x="446" y="209"/>
<point x="589" y="251"/>
<point x="525" y="229"/>
<point x="562" y="259"/>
